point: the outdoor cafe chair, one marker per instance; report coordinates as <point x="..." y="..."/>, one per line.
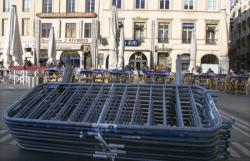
<point x="99" y="76"/>
<point x="219" y="82"/>
<point x="86" y="76"/>
<point x="188" y="78"/>
<point x="117" y="76"/>
<point x="241" y="85"/>
<point x="202" y="80"/>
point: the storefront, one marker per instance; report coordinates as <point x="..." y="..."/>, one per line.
<point x="185" y="61"/>
<point x="74" y="57"/>
<point x="209" y="61"/>
<point x="137" y="61"/>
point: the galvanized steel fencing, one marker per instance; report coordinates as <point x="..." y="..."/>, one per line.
<point x="121" y="121"/>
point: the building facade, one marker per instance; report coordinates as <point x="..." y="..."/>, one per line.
<point x="164" y="30"/>
<point x="239" y="51"/>
<point x="72" y="21"/>
<point x="156" y="31"/>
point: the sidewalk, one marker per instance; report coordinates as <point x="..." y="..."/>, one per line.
<point x="12" y="86"/>
<point x="239" y="106"/>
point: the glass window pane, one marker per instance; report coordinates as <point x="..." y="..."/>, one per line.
<point x="211" y="34"/>
<point x="92" y="5"/>
<point x="89" y="5"/>
<point x="26" y="5"/>
<point x="188" y="4"/>
<point x="87" y="30"/>
<point x="187" y="32"/>
<point x="113" y="2"/>
<point x="47" y="6"/>
<point x="166" y="4"/>
<point x="6" y="5"/>
<point x="119" y="4"/>
<point x="139" y="30"/>
<point x="137" y="4"/>
<point x="4" y="26"/>
<point x="163" y="33"/>
<point x="142" y="3"/>
<point x="70" y="30"/>
<point x="25" y="26"/>
<point x="212" y="5"/>
<point x="70" y="6"/>
<point x="162" y="4"/>
<point x="46" y="29"/>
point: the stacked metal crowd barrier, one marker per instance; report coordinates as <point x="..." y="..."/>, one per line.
<point x="121" y="121"/>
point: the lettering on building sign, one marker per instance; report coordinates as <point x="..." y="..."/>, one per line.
<point x="44" y="47"/>
<point x="68" y="40"/>
<point x="67" y="15"/>
<point x="132" y="43"/>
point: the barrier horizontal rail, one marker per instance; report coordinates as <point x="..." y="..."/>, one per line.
<point x="120" y="121"/>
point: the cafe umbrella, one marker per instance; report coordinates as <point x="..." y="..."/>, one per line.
<point x="52" y="47"/>
<point x="113" y="51"/>
<point x="121" y="49"/>
<point x="13" y="46"/>
<point x="193" y="52"/>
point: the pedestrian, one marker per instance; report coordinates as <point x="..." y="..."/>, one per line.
<point x="242" y="71"/>
<point x="231" y="72"/>
<point x="210" y="71"/>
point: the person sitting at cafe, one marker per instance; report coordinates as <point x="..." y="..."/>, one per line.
<point x="231" y="72"/>
<point x="210" y="71"/>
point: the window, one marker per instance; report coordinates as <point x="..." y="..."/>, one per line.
<point x="89" y="5"/>
<point x="211" y="5"/>
<point x="139" y="31"/>
<point x="87" y="30"/>
<point x="188" y="4"/>
<point x="26" y="5"/>
<point x="6" y="5"/>
<point x="185" y="61"/>
<point x="25" y="26"/>
<point x="70" y="6"/>
<point x="101" y="59"/>
<point x="187" y="29"/>
<point x="164" y="4"/>
<point x="4" y="26"/>
<point x="47" y="6"/>
<point x="140" y="4"/>
<point x="163" y="32"/>
<point x="46" y="29"/>
<point x="70" y="30"/>
<point x="211" y="34"/>
<point x="117" y="3"/>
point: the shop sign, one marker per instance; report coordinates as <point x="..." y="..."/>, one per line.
<point x="132" y="43"/>
<point x="63" y="47"/>
<point x="67" y="15"/>
<point x="67" y="40"/>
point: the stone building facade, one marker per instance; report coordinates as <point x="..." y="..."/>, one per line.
<point x="156" y="31"/>
<point x="239" y="51"/>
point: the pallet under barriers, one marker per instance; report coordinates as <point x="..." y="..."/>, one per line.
<point x="121" y="122"/>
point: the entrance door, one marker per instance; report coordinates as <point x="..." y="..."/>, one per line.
<point x="74" y="57"/>
<point x="163" y="60"/>
<point x="185" y="61"/>
<point x="87" y="61"/>
<point x="137" y="61"/>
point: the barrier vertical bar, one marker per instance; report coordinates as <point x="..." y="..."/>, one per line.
<point x="164" y="107"/>
<point x="178" y="109"/>
<point x="150" y="108"/>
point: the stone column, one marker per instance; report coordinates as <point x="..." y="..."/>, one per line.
<point x="81" y="53"/>
<point x="37" y="40"/>
<point x="93" y="42"/>
<point x="153" y="58"/>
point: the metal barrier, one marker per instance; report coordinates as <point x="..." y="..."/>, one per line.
<point x="121" y="121"/>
